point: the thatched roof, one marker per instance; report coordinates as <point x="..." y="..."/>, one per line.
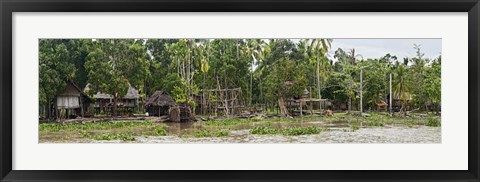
<point x="398" y="96"/>
<point x="71" y="90"/>
<point x="160" y="98"/>
<point x="132" y="93"/>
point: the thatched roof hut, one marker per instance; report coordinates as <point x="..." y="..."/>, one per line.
<point x="132" y="93"/>
<point x="160" y="98"/>
<point x="159" y="103"/>
<point x="73" y="98"/>
<point x="69" y="98"/>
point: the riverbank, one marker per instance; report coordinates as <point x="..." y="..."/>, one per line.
<point x="340" y="128"/>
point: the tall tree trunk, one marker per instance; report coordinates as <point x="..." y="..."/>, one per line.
<point x="203" y="94"/>
<point x="318" y="84"/>
<point x="115" y="105"/>
<point x="349" y="104"/>
<point x="261" y="96"/>
<point x="283" y="108"/>
<point x="49" y="109"/>
<point x="251" y="86"/>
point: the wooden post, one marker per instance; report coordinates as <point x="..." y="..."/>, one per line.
<point x="391" y="96"/>
<point x="361" y="92"/>
<point x="301" y="109"/>
<point x="311" y="102"/>
<point x="203" y="102"/>
<point x="81" y="105"/>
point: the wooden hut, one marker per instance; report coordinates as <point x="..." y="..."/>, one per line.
<point x="159" y="103"/>
<point x="72" y="100"/>
<point x="397" y="100"/>
<point x="104" y="102"/>
<point x="130" y="100"/>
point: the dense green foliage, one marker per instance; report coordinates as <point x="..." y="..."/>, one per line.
<point x="95" y="126"/>
<point x="208" y="133"/>
<point x="267" y="70"/>
<point x="433" y="122"/>
<point x="59" y="60"/>
<point x="288" y="131"/>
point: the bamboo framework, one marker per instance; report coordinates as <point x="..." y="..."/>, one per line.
<point x="226" y="101"/>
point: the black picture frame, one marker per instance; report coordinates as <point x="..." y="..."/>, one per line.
<point x="10" y="6"/>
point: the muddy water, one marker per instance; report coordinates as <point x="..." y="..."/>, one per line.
<point x="420" y="134"/>
<point x="340" y="132"/>
<point x="190" y="127"/>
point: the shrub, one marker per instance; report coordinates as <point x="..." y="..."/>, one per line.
<point x="54" y="127"/>
<point x="206" y="133"/>
<point x="111" y="136"/>
<point x="229" y="122"/>
<point x="156" y="132"/>
<point x="290" y="131"/>
<point x="354" y="127"/>
<point x="301" y="130"/>
<point x="221" y="133"/>
<point x="264" y="130"/>
<point x="375" y="123"/>
<point x="410" y="123"/>
<point x="433" y="122"/>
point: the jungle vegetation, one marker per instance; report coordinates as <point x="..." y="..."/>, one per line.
<point x="260" y="67"/>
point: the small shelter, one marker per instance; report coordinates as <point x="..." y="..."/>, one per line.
<point x="130" y="99"/>
<point x="398" y="98"/>
<point x="104" y="102"/>
<point x="297" y="104"/>
<point x="72" y="100"/>
<point x="159" y="103"/>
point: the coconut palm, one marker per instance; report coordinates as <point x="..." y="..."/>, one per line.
<point x="353" y="56"/>
<point x="317" y="51"/>
<point x="402" y="86"/>
<point x="257" y="49"/>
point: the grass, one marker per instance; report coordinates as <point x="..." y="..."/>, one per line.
<point x="433" y="122"/>
<point x="409" y="123"/>
<point x="240" y="121"/>
<point x="289" y="131"/>
<point x="54" y="127"/>
<point x="354" y="127"/>
<point x="264" y="130"/>
<point x="208" y="133"/>
<point x="156" y="132"/>
<point x="374" y="123"/>
<point x="230" y="122"/>
<point x="374" y="119"/>
<point x="120" y="130"/>
<point x="128" y="136"/>
<point x="380" y="120"/>
<point x="293" y="131"/>
<point x="127" y="130"/>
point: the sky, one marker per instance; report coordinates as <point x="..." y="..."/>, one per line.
<point x="376" y="48"/>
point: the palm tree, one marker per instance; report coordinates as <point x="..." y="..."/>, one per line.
<point x="353" y="56"/>
<point x="317" y="50"/>
<point x="203" y="51"/>
<point x="402" y="86"/>
<point x="257" y="49"/>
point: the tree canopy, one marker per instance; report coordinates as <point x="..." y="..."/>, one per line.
<point x="266" y="70"/>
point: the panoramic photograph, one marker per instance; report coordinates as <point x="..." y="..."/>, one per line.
<point x="270" y="91"/>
